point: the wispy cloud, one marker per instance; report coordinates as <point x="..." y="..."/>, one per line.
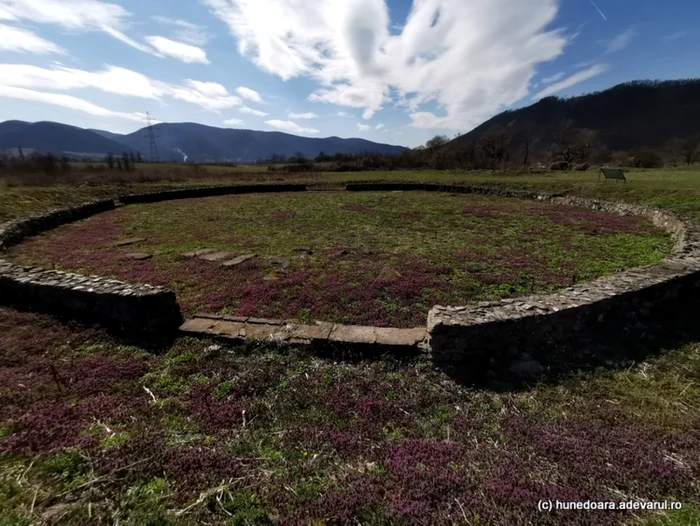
<point x="675" y="36"/>
<point x="308" y="115"/>
<point x="379" y="126"/>
<point x="233" y="122"/>
<point x="619" y="42"/>
<point x="364" y="127"/>
<point x="553" y="78"/>
<point x="290" y="126"/>
<point x="574" y="79"/>
<point x="210" y="96"/>
<point x="251" y="111"/>
<point x="184" y="52"/>
<point x="186" y="31"/>
<point x="67" y="102"/>
<point x="249" y="94"/>
<point x="22" y="40"/>
<point x="77" y="15"/>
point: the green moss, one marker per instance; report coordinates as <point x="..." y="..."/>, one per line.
<point x="114" y="440"/>
<point x="223" y="389"/>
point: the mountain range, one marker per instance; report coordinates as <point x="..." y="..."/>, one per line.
<point x="638" y="114"/>
<point x="177" y="142"/>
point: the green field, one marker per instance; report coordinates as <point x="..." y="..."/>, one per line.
<point x="94" y="432"/>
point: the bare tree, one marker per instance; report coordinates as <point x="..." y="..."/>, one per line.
<point x="526" y="137"/>
<point x="436" y="142"/>
<point x="570" y="144"/>
<point x="493" y="145"/>
<point x="691" y="149"/>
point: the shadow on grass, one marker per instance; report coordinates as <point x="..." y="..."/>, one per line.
<point x="155" y="342"/>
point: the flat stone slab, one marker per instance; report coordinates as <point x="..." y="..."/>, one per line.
<point x="238" y="260"/>
<point x="353" y="334"/>
<point x="129" y="241"/>
<point x="309" y="333"/>
<point x="241" y="328"/>
<point x="266" y="321"/>
<point x="138" y="256"/>
<point x="279" y="262"/>
<point x="400" y="337"/>
<point x="198" y="325"/>
<point x="227" y="328"/>
<point x="256" y="331"/>
<point x="215" y="256"/>
<point x="197" y="253"/>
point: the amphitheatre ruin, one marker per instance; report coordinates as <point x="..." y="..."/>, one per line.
<point x="255" y="275"/>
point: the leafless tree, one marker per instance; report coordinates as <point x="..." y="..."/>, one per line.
<point x="571" y="144"/>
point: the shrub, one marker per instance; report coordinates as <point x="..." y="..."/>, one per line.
<point x="559" y="165"/>
<point x="581" y="167"/>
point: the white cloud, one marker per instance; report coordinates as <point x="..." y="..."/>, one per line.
<point x="66" y="101"/>
<point x="619" y="42"/>
<point x="210" y="96"/>
<point x="675" y="36"/>
<point x="574" y="79"/>
<point x="290" y="126"/>
<point x="364" y="127"/>
<point x="22" y="40"/>
<point x="251" y="111"/>
<point x="233" y="122"/>
<point x="111" y="79"/>
<point x="186" y="31"/>
<point x="379" y="126"/>
<point x="308" y="115"/>
<point x="472" y="58"/>
<point x="249" y="94"/>
<point x="78" y="15"/>
<point x="183" y="52"/>
<point x="554" y="78"/>
<point x="343" y="114"/>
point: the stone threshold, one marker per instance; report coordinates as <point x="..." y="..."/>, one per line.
<point x="240" y="329"/>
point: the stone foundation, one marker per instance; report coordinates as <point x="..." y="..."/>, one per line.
<point x="141" y="312"/>
<point x="524" y="336"/>
<point x="209" y="191"/>
<point x="14" y="232"/>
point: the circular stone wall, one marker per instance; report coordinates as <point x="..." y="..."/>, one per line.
<point x="369" y="258"/>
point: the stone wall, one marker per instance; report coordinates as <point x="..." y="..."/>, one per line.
<point x="603" y="322"/>
<point x="14" y="232"/>
<point x="209" y="191"/>
<point x="139" y="311"/>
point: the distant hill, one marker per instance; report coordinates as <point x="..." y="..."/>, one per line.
<point x="630" y="115"/>
<point x="52" y="137"/>
<point x="208" y="143"/>
<point x="176" y="140"/>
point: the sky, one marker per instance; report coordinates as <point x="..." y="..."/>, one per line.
<point x="390" y="71"/>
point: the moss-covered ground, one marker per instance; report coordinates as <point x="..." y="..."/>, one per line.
<point x="368" y="258"/>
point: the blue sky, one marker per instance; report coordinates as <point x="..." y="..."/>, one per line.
<point x="397" y="71"/>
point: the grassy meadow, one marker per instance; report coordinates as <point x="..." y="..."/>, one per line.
<point x="95" y="432"/>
